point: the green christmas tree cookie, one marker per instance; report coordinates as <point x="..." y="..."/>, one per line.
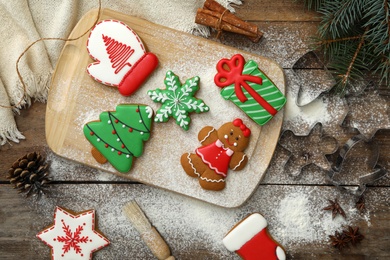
<point x="178" y="100"/>
<point x="119" y="135"/>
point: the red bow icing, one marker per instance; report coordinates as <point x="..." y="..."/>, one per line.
<point x="230" y="71"/>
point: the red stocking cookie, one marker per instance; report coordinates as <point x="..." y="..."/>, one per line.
<point x="120" y="57"/>
<point x="221" y="149"/>
<point x="250" y="240"/>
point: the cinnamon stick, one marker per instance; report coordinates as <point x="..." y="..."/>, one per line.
<point x="216" y="16"/>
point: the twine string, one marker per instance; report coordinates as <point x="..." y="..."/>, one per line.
<point x="46" y="39"/>
<point x="219" y="23"/>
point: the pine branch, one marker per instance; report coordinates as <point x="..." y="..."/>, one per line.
<point x="354" y="36"/>
<point x="327" y="42"/>
<point x="347" y="75"/>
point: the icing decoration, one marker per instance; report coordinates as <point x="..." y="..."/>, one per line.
<point x="249" y="88"/>
<point x="119" y="135"/>
<point x="177" y="100"/>
<point x="120" y="57"/>
<point x="221" y="149"/>
<point x="73" y="236"/>
<point x="250" y="239"/>
<point x="216" y="156"/>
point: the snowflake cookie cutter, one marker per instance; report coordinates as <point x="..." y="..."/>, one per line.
<point x="378" y="171"/>
<point x="317" y="145"/>
<point x="317" y="79"/>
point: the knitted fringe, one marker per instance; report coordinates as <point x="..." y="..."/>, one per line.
<point x="10" y="133"/>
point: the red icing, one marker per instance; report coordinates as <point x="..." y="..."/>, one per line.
<point x="260" y="247"/>
<point x="138" y="74"/>
<point x="216" y="157"/>
<point x="233" y="74"/>
<point x="72" y="240"/>
<point x="245" y="130"/>
<point x="118" y="53"/>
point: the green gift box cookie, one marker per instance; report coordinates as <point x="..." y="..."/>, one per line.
<point x="249" y="88"/>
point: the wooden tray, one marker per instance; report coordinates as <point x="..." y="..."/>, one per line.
<point x="75" y="99"/>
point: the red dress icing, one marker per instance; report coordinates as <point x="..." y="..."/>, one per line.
<point x="216" y="156"/>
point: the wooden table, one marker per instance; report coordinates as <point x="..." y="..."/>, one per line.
<point x="194" y="229"/>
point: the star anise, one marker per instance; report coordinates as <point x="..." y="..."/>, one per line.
<point x="339" y="240"/>
<point x="361" y="204"/>
<point x="335" y="208"/>
<point x="353" y="235"/>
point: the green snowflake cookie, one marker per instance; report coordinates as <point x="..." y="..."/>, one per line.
<point x="178" y="100"/>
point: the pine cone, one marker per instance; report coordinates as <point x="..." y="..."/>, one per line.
<point x="29" y="174"/>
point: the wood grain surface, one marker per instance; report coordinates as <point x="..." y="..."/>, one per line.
<point x="188" y="225"/>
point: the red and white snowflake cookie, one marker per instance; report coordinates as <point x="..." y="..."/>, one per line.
<point x="120" y="57"/>
<point x="73" y="236"/>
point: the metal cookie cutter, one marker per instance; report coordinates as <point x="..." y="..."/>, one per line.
<point x="310" y="70"/>
<point x="377" y="173"/>
<point x="306" y="150"/>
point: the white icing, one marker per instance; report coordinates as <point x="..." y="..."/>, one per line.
<point x="192" y="166"/>
<point x="103" y="70"/>
<point x="238" y="165"/>
<point x="149" y="111"/>
<point x="211" y="180"/>
<point x="280" y="253"/>
<point x="244" y="232"/>
<point x="93" y="241"/>
<point x="207" y="136"/>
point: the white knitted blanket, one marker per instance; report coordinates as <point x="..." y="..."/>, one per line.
<point x="24" y="21"/>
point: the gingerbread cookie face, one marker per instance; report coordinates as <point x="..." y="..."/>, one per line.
<point x="251" y="240"/>
<point x="221" y="150"/>
<point x="233" y="137"/>
<point x="119" y="136"/>
<point x="178" y="100"/>
<point x="73" y="236"/>
<point x="120" y="57"/>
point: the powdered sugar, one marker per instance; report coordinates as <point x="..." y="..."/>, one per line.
<point x="301" y="119"/>
<point x="301" y="218"/>
<point x="295" y="217"/>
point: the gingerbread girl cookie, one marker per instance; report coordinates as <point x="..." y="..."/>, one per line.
<point x="221" y="149"/>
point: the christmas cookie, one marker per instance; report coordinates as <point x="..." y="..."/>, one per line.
<point x="250" y="240"/>
<point x="120" y="57"/>
<point x="119" y="135"/>
<point x="249" y="88"/>
<point x="221" y="149"/>
<point x="73" y="236"/>
<point x="178" y="100"/>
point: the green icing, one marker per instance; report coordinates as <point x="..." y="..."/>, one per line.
<point x="119" y="135"/>
<point x="177" y="100"/>
<point x="267" y="90"/>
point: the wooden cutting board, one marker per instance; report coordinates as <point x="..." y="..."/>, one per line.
<point x="75" y="99"/>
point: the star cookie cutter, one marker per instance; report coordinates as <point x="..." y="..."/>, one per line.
<point x="306" y="150"/>
<point x="318" y="79"/>
<point x="378" y="171"/>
